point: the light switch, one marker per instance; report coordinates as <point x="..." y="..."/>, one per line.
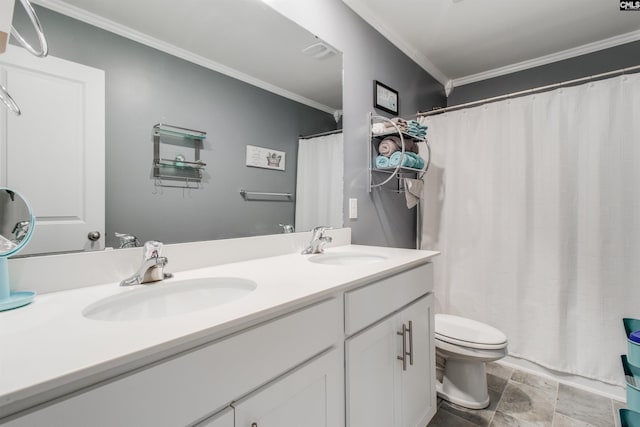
<point x="353" y="208"/>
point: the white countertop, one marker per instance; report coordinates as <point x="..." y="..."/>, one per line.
<point x="49" y="344"/>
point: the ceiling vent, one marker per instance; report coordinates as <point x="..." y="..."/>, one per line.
<point x="319" y="51"/>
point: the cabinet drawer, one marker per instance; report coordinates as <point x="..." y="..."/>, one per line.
<point x="187" y="388"/>
<point x="365" y="305"/>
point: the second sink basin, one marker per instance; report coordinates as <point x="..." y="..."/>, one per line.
<point x="351" y="258"/>
<point x="170" y="299"/>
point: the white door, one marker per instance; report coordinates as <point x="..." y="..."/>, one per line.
<point x="373" y="376"/>
<point x="54" y="152"/>
<point x="222" y="419"/>
<point x="309" y="396"/>
<point x="418" y="381"/>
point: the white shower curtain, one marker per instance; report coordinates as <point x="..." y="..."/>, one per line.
<point x="319" y="184"/>
<point x="535" y="205"/>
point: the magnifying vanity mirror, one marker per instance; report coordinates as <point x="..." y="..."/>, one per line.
<point x="234" y="69"/>
<point x="16" y="227"/>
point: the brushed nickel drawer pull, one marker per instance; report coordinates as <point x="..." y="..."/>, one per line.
<point x="410" y="353"/>
<point x="404" y="346"/>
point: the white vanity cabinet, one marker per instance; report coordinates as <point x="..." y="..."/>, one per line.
<point x="390" y="365"/>
<point x="359" y="351"/>
<point x="187" y="388"/>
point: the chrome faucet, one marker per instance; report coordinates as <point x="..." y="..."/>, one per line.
<point x="318" y="240"/>
<point x="152" y="268"/>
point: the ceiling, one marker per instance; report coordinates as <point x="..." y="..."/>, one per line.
<point x="245" y="39"/>
<point x="462" y="41"/>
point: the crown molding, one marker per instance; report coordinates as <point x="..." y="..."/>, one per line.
<point x="145" y="39"/>
<point x="548" y="59"/>
<point x="406" y="48"/>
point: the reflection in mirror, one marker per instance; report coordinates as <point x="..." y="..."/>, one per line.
<point x="16" y="227"/>
<point x="236" y="72"/>
<point x="15" y="221"/>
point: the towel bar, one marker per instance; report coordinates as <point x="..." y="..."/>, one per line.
<point x="261" y="195"/>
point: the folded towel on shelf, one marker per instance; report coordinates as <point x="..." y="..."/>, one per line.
<point x="388" y="146"/>
<point x="419" y="164"/>
<point x="382" y="162"/>
<point x="378" y="128"/>
<point x="413" y="191"/>
<point x="409" y="160"/>
<point x="400" y="123"/>
<point x="397" y="159"/>
<point x="416" y="129"/>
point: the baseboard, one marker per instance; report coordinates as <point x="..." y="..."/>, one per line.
<point x="593" y="386"/>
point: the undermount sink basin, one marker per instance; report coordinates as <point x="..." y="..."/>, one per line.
<point x="346" y="258"/>
<point x="170" y="299"/>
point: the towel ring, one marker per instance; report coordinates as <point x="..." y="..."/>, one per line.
<point x="44" y="48"/>
<point x="8" y="101"/>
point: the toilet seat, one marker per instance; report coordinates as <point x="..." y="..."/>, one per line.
<point x="468" y="333"/>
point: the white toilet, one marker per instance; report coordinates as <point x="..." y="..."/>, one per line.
<point x="465" y="345"/>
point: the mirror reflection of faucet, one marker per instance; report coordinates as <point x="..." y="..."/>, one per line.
<point x="152" y="268"/>
<point x="20" y="231"/>
<point x="287" y="228"/>
<point x="127" y="240"/>
<point x="13" y="209"/>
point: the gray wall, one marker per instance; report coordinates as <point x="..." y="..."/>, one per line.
<point x="145" y="86"/>
<point x="622" y="56"/>
<point x="383" y="217"/>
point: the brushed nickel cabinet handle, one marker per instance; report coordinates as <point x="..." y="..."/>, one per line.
<point x="410" y="353"/>
<point x="404" y="346"/>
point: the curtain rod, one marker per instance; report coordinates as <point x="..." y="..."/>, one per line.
<point x="331" y="132"/>
<point x="530" y="91"/>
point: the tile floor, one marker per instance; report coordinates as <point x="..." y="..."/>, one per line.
<point x="520" y="399"/>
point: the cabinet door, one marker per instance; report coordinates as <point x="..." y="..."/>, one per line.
<point x="373" y="376"/>
<point x="418" y="381"/>
<point x="309" y="396"/>
<point x="221" y="419"/>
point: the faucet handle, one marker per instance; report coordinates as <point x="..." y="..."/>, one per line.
<point x="152" y="249"/>
<point x="319" y="230"/>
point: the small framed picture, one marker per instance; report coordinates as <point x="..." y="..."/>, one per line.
<point x="385" y="98"/>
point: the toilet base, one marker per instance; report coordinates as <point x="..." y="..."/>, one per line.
<point x="464" y="383"/>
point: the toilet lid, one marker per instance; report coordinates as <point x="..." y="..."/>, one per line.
<point x="459" y="330"/>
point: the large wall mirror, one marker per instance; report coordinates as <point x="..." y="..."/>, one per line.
<point x="234" y="69"/>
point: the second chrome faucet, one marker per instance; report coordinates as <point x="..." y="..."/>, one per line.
<point x="318" y="240"/>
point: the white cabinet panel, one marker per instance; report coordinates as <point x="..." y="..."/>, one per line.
<point x="418" y="386"/>
<point x="54" y="153"/>
<point x="309" y="396"/>
<point x="380" y="392"/>
<point x="370" y="303"/>
<point x="373" y="377"/>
